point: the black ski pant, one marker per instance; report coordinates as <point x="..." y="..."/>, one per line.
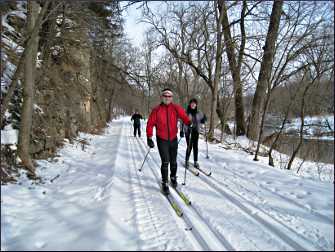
<point x="193" y="144"/>
<point x="168" y="153"/>
<point x="137" y="128"/>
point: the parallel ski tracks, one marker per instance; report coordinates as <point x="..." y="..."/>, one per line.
<point x="237" y="176"/>
<point x="143" y="202"/>
<point x="216" y="239"/>
<point x="275" y="226"/>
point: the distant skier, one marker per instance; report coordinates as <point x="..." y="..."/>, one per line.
<point x="137" y="123"/>
<point x="164" y="117"/>
<point x="197" y="118"/>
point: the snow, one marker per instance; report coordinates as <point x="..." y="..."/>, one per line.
<point x="313" y="125"/>
<point x="5" y="24"/>
<point x="59" y="19"/>
<point x="20" y="13"/>
<point x="96" y="199"/>
<point x="56" y="50"/>
<point x="9" y="135"/>
<point x="20" y="6"/>
<point x="8" y="72"/>
<point x="38" y="109"/>
<point x="39" y="60"/>
<point x="9" y="68"/>
<point x="11" y="44"/>
<point x="308" y="169"/>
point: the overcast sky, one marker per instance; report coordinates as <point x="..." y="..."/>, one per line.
<point x="135" y="30"/>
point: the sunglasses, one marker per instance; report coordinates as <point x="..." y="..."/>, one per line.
<point x="167" y="96"/>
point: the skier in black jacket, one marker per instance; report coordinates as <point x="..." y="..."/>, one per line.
<point x="137" y="123"/>
<point x="192" y="135"/>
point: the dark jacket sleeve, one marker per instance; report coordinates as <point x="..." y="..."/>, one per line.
<point x="204" y="119"/>
<point x="182" y="126"/>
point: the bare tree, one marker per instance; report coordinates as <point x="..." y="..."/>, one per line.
<point x="235" y="65"/>
<point x="265" y="71"/>
<point x="277" y="134"/>
<point x="28" y="90"/>
<point x="202" y="33"/>
<point x="320" y="59"/>
<point x="27" y="45"/>
<point x="294" y="41"/>
<point x="148" y="45"/>
<point x="225" y="97"/>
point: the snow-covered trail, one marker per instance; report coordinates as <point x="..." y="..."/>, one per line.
<point x="295" y="210"/>
<point x="241" y="210"/>
<point x="101" y="201"/>
<point x="202" y="235"/>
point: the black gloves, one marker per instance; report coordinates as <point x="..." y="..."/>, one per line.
<point x="182" y="134"/>
<point x="150" y="143"/>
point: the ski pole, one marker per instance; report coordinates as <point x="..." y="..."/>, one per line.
<point x="144" y="160"/>
<point x="131" y="126"/>
<point x="206" y="143"/>
<point x="187" y="154"/>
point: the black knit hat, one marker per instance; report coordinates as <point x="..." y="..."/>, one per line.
<point x="193" y="100"/>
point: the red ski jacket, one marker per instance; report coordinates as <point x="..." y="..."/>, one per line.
<point x="164" y="118"/>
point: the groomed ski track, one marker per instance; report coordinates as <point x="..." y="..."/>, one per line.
<point x="207" y="233"/>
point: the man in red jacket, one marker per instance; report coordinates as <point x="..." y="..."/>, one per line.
<point x="165" y="117"/>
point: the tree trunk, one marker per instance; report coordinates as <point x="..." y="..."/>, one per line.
<point x="27" y="46"/>
<point x="262" y="125"/>
<point x="265" y="72"/>
<point x="271" y="163"/>
<point x="180" y="84"/>
<point x="277" y="135"/>
<point x="235" y="71"/>
<point x="28" y="91"/>
<point x="213" y="111"/>
<point x="218" y="63"/>
<point x="302" y="115"/>
<point x="221" y="114"/>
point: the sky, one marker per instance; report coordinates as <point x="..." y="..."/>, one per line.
<point x="135" y="31"/>
<point x="94" y="198"/>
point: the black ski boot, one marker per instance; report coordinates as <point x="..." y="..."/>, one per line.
<point x="165" y="188"/>
<point x="174" y="182"/>
<point x="186" y="163"/>
<point x="196" y="165"/>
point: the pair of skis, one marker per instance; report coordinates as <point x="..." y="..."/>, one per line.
<point x="196" y="170"/>
<point x="186" y="200"/>
<point x="174" y="203"/>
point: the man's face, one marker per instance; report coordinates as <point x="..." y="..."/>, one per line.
<point x="167" y="97"/>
